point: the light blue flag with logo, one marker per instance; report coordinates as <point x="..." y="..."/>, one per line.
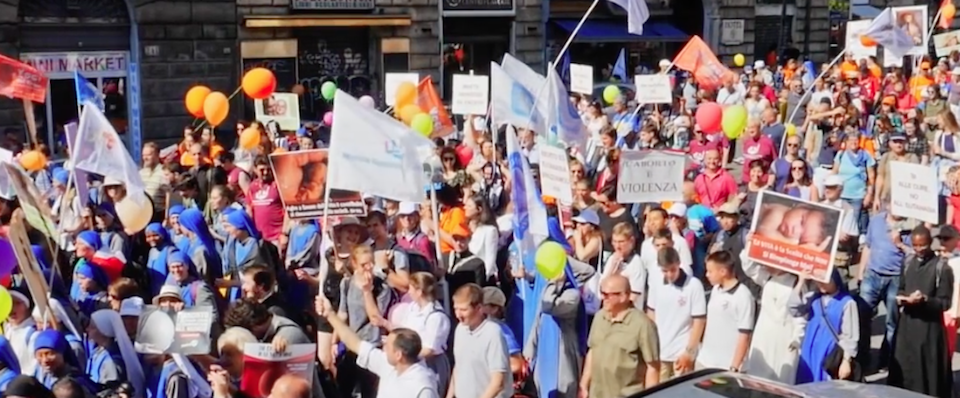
<point x="529" y="213"/>
<point x="620" y="67"/>
<point x="562" y="120"/>
<point x="511" y="102"/>
<point x="87" y="92"/>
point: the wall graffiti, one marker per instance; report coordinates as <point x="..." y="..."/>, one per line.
<point x="343" y="60"/>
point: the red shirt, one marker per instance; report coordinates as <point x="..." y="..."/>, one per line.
<point x="761" y="148"/>
<point x="698" y="149"/>
<point x="233" y="180"/>
<point x="868" y="88"/>
<point x="268" y="211"/>
<point x="715" y="190"/>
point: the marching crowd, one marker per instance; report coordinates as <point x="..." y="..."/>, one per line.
<point x="424" y="301"/>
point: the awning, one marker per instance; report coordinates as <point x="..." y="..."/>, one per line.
<point x="311" y="21"/>
<point x="865" y="11"/>
<point x="616" y="31"/>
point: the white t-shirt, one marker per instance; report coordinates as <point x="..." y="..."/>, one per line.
<point x="632" y="269"/>
<point x="648" y="254"/>
<point x="676" y="307"/>
<point x="417" y="381"/>
<point x="430" y="323"/>
<point x="729" y="313"/>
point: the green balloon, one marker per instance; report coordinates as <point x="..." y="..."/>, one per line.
<point x="551" y="258"/>
<point x="423" y="124"/>
<point x="610" y="93"/>
<point x="328" y="90"/>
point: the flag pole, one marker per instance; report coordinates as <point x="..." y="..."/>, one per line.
<point x="807" y="92"/>
<point x="435" y="209"/>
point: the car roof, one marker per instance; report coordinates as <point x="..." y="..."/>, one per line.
<point x="714" y="383"/>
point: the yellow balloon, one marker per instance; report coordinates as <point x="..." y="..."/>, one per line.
<point x="739" y="60"/>
<point x="791" y="129"/>
<point x="134" y="216"/>
<point x="551" y="259"/>
<point x="734" y="121"/>
<point x="6" y="304"/>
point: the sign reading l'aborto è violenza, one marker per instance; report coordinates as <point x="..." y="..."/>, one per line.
<point x="915" y="192"/>
<point x="650" y="176"/>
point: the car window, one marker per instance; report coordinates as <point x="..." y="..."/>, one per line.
<point x="733" y="387"/>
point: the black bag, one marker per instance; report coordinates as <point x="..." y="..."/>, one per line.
<point x="831" y="364"/>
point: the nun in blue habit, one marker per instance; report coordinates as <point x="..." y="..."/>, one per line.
<point x="9" y="364"/>
<point x="193" y="290"/>
<point x="160" y="247"/>
<point x="91" y="287"/>
<point x="203" y="247"/>
<point x="55" y="361"/>
<point x="173" y="376"/>
<point x="241" y="250"/>
<point x="303" y="253"/>
<point x="113" y="359"/>
<point x="828" y="306"/>
<point x="66" y="322"/>
<point x="112" y="237"/>
<point x="179" y="240"/>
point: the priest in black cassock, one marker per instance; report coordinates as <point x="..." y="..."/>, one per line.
<point x="921" y="362"/>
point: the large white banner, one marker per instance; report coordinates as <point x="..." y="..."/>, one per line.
<point x="650" y="176"/>
<point x="555" y="173"/>
<point x="914" y="192"/>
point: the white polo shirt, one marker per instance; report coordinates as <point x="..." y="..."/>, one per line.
<point x="676" y="305"/>
<point x="417" y="381"/>
<point x="632" y="269"/>
<point x="430" y="323"/>
<point x="729" y="313"/>
<point x="648" y="254"/>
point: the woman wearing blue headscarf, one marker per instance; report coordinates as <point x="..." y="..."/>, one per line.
<point x="113" y="359"/>
<point x="92" y="286"/>
<point x="65" y="320"/>
<point x="203" y="247"/>
<point x="241" y="250"/>
<point x="112" y="236"/>
<point x="177" y="237"/>
<point x="55" y="361"/>
<point x="9" y="364"/>
<point x="193" y="290"/>
<point x="160" y="246"/>
<point x="303" y="258"/>
<point x="832" y="319"/>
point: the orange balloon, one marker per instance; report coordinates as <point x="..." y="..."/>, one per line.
<point x="259" y="83"/>
<point x="406" y="94"/>
<point x="867" y="42"/>
<point x="948" y="12"/>
<point x="33" y="161"/>
<point x="408" y="112"/>
<point x="250" y="138"/>
<point x="194" y="100"/>
<point x="216" y="108"/>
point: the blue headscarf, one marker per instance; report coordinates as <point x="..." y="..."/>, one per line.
<point x="8" y="357"/>
<point x="546" y="361"/>
<point x="186" y="287"/>
<point x="300" y="236"/>
<point x="240" y="220"/>
<point x="157" y="266"/>
<point x="61" y="176"/>
<point x="175" y="210"/>
<point x="52" y="339"/>
<point x="807" y="78"/>
<point x="90" y="238"/>
<point x="192" y="220"/>
<point x="58" y="289"/>
<point x="92" y="271"/>
<point x="178" y="257"/>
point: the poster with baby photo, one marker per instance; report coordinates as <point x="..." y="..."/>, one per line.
<point x="280" y="108"/>
<point x="946" y="43"/>
<point x="913" y="20"/>
<point x="794" y="235"/>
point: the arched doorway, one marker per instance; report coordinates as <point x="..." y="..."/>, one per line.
<point x="95" y="39"/>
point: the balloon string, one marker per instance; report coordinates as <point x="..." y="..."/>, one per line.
<point x="204" y="122"/>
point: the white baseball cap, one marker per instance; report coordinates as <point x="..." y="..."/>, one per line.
<point x="678" y="209"/>
<point x="832" y="180"/>
<point x="132" y="306"/>
<point x="406" y="208"/>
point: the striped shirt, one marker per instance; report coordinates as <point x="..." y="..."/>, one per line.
<point x="154" y="181"/>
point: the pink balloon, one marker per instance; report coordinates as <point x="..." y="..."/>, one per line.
<point x="328" y="118"/>
<point x="368" y="102"/>
<point x="709" y="116"/>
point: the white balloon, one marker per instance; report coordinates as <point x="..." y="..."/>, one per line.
<point x="134" y="216"/>
<point x="368" y="102"/>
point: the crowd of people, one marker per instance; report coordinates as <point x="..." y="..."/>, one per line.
<point x="424" y="301"/>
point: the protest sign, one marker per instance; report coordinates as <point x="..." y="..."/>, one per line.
<point x="186" y="332"/>
<point x="302" y="180"/>
<point x="555" y="173"/>
<point x="946" y="43"/>
<point x="794" y="235"/>
<point x="19" y="80"/>
<point x="393" y="80"/>
<point x="581" y="79"/>
<point x="650" y="176"/>
<point x="28" y="264"/>
<point x="914" y="191"/>
<point x="653" y="89"/>
<point x="470" y="94"/>
<point x="36" y="211"/>
<point x="263" y="365"/>
<point x="283" y="108"/>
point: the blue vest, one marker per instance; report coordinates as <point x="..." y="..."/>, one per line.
<point x="98" y="358"/>
<point x="6" y="376"/>
<point x="157" y="381"/>
<point x="818" y="341"/>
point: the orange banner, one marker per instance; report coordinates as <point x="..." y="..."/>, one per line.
<point x="697" y="58"/>
<point x="19" y="80"/>
<point x="430" y="102"/>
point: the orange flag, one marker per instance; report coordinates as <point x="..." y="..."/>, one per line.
<point x="697" y="58"/>
<point x="430" y="102"/>
<point x="947" y="12"/>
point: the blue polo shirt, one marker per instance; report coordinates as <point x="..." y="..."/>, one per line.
<point x="885" y="258"/>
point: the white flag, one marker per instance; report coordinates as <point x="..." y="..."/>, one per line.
<point x="510" y="101"/>
<point x="894" y="39"/>
<point x="637" y="14"/>
<point x="99" y="150"/>
<point x="373" y="153"/>
<point x="562" y="120"/>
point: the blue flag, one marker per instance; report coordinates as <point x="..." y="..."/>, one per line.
<point x="87" y="92"/>
<point x="565" y="69"/>
<point x="620" y="68"/>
